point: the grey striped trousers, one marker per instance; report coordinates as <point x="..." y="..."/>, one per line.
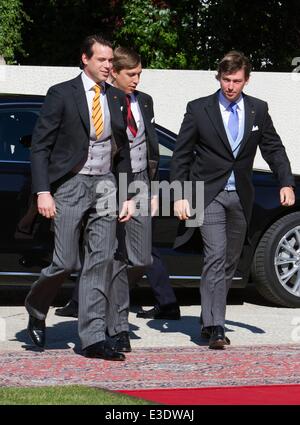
<point x="134" y="250"/>
<point x="223" y="233"/>
<point x="80" y="197"/>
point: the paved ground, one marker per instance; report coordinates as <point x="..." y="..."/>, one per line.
<point x="250" y="321"/>
<point x="166" y="354"/>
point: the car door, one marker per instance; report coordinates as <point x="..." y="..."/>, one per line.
<point x="184" y="264"/>
<point x="19" y="222"/>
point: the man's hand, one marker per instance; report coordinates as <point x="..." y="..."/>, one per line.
<point x="182" y="209"/>
<point x="154" y="205"/>
<point x="287" y="196"/>
<point x="127" y="211"/>
<point x="46" y="205"/>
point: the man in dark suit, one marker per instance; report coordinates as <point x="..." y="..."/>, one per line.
<point x="216" y="144"/>
<point x="79" y="142"/>
<point x="135" y="237"/>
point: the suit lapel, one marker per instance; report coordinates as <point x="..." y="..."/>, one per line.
<point x="215" y="116"/>
<point x="151" y="142"/>
<point x="214" y="113"/>
<point x="113" y="103"/>
<point x="81" y="102"/>
<point x="144" y="107"/>
<point x="117" y="117"/>
<point x="249" y="121"/>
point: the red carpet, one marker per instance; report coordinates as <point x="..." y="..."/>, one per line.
<point x="248" y="395"/>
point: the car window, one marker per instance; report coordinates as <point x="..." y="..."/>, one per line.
<point x="15" y="123"/>
<point x="166" y="144"/>
<point x="163" y="150"/>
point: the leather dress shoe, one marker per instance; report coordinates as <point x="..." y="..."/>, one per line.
<point x="121" y="342"/>
<point x="206" y="332"/>
<point x="37" y="331"/>
<point x="166" y="312"/>
<point x="102" y="350"/>
<point x="69" y="310"/>
<point x="217" y="339"/>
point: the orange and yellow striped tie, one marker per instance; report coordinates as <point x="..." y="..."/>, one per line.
<point x="97" y="115"/>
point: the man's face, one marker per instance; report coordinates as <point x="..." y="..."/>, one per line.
<point x="127" y="79"/>
<point x="232" y="84"/>
<point x="99" y="65"/>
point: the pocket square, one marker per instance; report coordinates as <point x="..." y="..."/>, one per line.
<point x="152" y="121"/>
<point x="255" y="128"/>
<point x="121" y="108"/>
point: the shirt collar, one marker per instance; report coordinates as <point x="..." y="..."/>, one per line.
<point x="88" y="83"/>
<point x="224" y="102"/>
<point x="132" y="97"/>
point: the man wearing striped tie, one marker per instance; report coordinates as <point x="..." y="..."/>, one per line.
<point x="79" y="147"/>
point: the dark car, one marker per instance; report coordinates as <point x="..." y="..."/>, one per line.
<point x="271" y="258"/>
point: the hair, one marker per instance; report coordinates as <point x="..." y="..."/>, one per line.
<point x="87" y="46"/>
<point x="232" y="62"/>
<point x="125" y="58"/>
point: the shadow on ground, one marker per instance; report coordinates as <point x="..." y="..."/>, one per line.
<point x="64" y="335"/>
<point x="189" y="325"/>
<point x="59" y="336"/>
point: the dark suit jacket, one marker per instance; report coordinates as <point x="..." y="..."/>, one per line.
<point x="146" y="105"/>
<point x="61" y="136"/>
<point x="203" y="152"/>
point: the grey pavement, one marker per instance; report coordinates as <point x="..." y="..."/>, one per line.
<point x="248" y="323"/>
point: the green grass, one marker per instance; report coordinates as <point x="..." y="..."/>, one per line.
<point x="65" y="395"/>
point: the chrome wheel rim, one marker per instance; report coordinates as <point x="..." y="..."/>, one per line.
<point x="287" y="261"/>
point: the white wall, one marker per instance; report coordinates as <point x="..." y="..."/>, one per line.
<point x="172" y="89"/>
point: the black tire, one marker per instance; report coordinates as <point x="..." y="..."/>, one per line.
<point x="268" y="276"/>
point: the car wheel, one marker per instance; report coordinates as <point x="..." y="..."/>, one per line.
<point x="276" y="263"/>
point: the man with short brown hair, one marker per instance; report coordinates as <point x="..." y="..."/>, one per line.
<point x="216" y="144"/>
<point x="79" y="144"/>
<point x="135" y="237"/>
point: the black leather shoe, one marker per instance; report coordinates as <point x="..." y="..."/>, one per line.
<point x="166" y="312"/>
<point x="206" y="332"/>
<point x="69" y="310"/>
<point x="217" y="339"/>
<point x="37" y="331"/>
<point x="102" y="350"/>
<point x="121" y="342"/>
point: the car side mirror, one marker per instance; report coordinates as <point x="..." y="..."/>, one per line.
<point x="26" y="140"/>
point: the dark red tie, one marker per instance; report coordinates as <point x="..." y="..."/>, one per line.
<point x="130" y="118"/>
